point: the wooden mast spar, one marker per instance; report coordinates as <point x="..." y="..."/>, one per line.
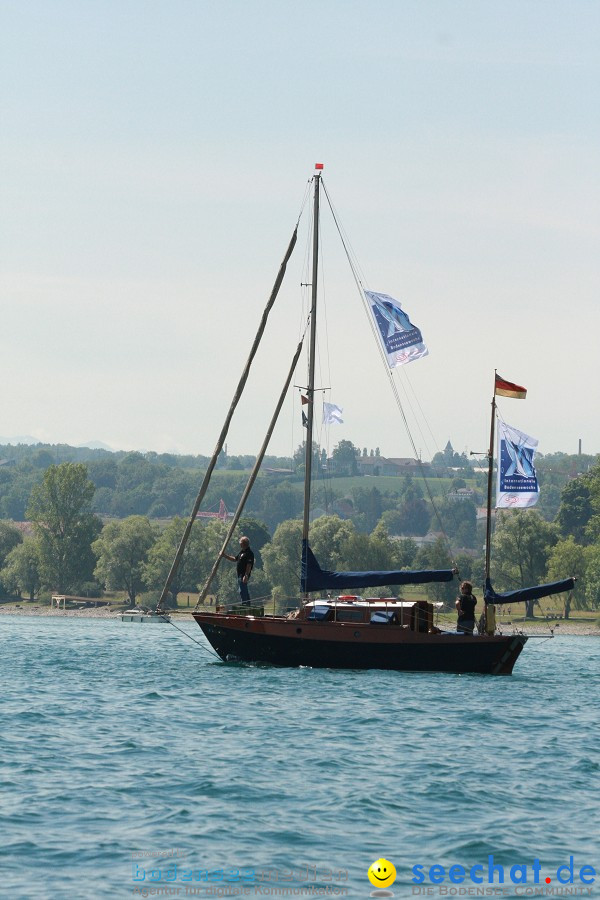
<point x="488" y="522"/>
<point x="311" y="360"/>
<point x="489" y="611"/>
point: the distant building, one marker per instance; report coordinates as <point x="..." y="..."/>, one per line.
<point x="370" y="465"/>
<point x="424" y="540"/>
<point x="461" y="494"/>
<point x="344" y="508"/>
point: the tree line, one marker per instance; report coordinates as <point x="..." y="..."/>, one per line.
<point x="72" y="551"/>
<point x="165" y="485"/>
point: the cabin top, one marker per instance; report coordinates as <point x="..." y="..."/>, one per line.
<point x="356" y="600"/>
<point x="416" y="615"/>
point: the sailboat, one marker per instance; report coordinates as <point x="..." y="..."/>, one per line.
<point x="339" y="628"/>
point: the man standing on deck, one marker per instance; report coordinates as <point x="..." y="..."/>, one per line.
<point x="245" y="563"/>
<point x="465" y="607"/>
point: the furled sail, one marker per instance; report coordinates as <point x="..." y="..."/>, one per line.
<point x="314" y="578"/>
<point x="528" y="593"/>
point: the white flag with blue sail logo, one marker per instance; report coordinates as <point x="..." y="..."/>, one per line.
<point x="401" y="340"/>
<point x="332" y="414"/>
<point x="517" y="481"/>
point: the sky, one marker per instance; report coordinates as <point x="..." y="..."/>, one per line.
<point x="155" y="156"/>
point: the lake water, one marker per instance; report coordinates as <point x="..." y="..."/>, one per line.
<point x="122" y="744"/>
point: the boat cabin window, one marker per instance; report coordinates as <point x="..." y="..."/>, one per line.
<point x="349" y="615"/>
<point x="384" y="617"/>
<point x="319" y="613"/>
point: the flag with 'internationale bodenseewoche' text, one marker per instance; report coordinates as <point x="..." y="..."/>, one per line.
<point x="402" y="341"/>
<point x="517" y="480"/>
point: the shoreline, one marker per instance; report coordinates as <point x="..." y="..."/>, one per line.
<point x="582" y="629"/>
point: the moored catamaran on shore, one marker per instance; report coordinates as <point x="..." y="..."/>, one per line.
<point x="332" y="626"/>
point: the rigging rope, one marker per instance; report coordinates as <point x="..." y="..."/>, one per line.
<point x="202" y="647"/>
<point x="389" y="372"/>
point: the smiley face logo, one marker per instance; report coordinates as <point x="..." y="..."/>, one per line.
<point x="381" y="873"/>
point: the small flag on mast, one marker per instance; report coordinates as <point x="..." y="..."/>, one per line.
<point x="304" y="399"/>
<point x="332" y="414"/>
<point x="304" y="419"/>
<point x="506" y="388"/>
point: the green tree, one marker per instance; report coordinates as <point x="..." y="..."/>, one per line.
<point x="280" y="503"/>
<point x="592" y="576"/>
<point x="16" y="490"/>
<point x="521" y="547"/>
<point x="575" y="509"/>
<point x="413" y="517"/>
<point x="344" y="454"/>
<point x="60" y="509"/>
<point x="42" y="459"/>
<point x="122" y="550"/>
<point x="160" y="555"/>
<point x="467" y="567"/>
<point x="299" y="459"/>
<point x="549" y="502"/>
<point x="9" y="538"/>
<point x="22" y="572"/>
<point x="405" y="553"/>
<point x="437" y="556"/>
<point x="393" y="521"/>
<point x="568" y="558"/>
<point x="383" y="553"/>
<point x="458" y="520"/>
<point x="328" y="541"/>
<point x="103" y="473"/>
<point x="368" y="503"/>
<point x="282" y="559"/>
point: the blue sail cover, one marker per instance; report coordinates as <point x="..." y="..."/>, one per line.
<point x="314" y="578"/>
<point x="529" y="593"/>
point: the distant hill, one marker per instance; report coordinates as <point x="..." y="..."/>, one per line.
<point x="15" y="440"/>
<point x="93" y="445"/>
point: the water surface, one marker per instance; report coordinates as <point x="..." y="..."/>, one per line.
<point x="120" y="739"/>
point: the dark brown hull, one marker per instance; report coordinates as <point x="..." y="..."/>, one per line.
<point x="341" y="645"/>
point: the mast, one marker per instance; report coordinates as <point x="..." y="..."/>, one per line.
<point x="488" y="529"/>
<point x="311" y="355"/>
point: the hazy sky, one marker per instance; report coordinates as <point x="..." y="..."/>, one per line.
<point x="154" y="157"/>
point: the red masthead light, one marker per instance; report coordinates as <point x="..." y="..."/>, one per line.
<point x="318" y="165"/>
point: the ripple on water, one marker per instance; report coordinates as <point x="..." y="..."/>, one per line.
<point x="117" y="740"/>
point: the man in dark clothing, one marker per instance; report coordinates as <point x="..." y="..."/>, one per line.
<point x="245" y="564"/>
<point x="465" y="605"/>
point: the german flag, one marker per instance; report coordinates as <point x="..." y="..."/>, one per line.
<point x="506" y="388"/>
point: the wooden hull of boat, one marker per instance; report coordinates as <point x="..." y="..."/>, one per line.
<point x="341" y="645"/>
